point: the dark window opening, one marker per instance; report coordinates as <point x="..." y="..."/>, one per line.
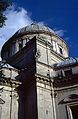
<point x="61" y="51"/>
<point x="13" y="49"/>
<point x="46" y="111"/>
<point x="74" y="110"/>
<point x="20" y="45"/>
<point x="68" y="73"/>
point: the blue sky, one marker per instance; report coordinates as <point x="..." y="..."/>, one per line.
<point x="60" y="15"/>
<point x="57" y="14"/>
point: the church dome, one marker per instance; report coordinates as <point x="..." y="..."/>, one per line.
<point x="42" y="33"/>
<point x="31" y="29"/>
<point x="35" y="28"/>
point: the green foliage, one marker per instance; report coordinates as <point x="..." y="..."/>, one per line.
<point x="4" y="4"/>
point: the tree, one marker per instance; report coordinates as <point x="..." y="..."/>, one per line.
<point x="4" y="4"/>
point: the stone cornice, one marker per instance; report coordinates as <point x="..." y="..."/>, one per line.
<point x="66" y="88"/>
<point x="44" y="79"/>
<point x="9" y="82"/>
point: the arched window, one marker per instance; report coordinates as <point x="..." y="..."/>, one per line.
<point x="20" y="43"/>
<point x="71" y="104"/>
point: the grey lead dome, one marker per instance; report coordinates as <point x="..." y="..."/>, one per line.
<point x="41" y="33"/>
<point x="35" y="28"/>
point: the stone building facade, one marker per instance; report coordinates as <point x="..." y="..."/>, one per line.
<point x="48" y="88"/>
<point x="8" y="92"/>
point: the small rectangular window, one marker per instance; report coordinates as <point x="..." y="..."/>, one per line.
<point x="13" y="49"/>
<point x="60" y="50"/>
<point x="20" y="44"/>
<point x="68" y="72"/>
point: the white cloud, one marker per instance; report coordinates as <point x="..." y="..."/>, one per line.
<point x="16" y="19"/>
<point x="60" y="32"/>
